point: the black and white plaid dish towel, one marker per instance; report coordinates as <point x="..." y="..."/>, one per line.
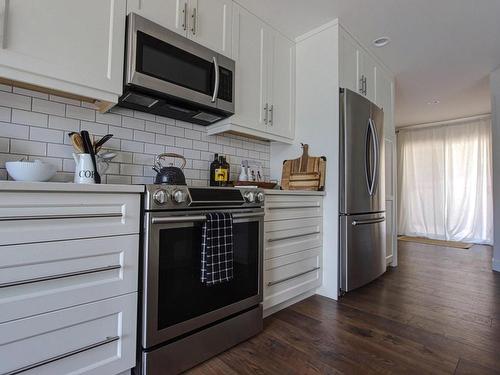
<point x="217" y="249"/>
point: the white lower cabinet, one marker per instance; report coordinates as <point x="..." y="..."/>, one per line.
<point x="95" y="338"/>
<point x="293" y="246"/>
<point x="68" y="281"/>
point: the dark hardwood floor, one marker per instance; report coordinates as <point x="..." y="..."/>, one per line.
<point x="437" y="313"/>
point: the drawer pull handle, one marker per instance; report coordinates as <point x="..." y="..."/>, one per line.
<point x="367" y="222"/>
<point x="60" y="276"/>
<point x="74" y="216"/>
<point x="62" y="356"/>
<point x="271" y="283"/>
<point x="292" y="236"/>
<point x="316" y="205"/>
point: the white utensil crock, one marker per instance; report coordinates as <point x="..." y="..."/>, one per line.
<point x="84" y="169"/>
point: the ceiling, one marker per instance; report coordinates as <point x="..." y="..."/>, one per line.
<point x="441" y="49"/>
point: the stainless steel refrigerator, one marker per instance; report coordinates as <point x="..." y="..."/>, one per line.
<point x="362" y="191"/>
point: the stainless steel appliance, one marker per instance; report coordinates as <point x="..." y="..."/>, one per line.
<point x="362" y="192"/>
<point x="170" y="75"/>
<point x="184" y="322"/>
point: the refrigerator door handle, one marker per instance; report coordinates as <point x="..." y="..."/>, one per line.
<point x="370" y="221"/>
<point x="371" y="157"/>
<point x="376" y="155"/>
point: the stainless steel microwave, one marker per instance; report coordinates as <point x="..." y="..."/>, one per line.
<point x="169" y="75"/>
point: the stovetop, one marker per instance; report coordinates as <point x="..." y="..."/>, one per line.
<point x="179" y="197"/>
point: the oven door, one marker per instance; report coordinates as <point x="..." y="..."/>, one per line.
<point x="163" y="61"/>
<point x="175" y="301"/>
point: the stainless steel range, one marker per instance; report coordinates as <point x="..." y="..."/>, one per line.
<point x="185" y="322"/>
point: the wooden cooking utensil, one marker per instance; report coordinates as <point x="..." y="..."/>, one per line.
<point x="77" y="142"/>
<point x="304" y="173"/>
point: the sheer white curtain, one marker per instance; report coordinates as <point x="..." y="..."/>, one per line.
<point x="445" y="182"/>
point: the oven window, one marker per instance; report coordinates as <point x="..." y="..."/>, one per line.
<point x="166" y="62"/>
<point x="181" y="295"/>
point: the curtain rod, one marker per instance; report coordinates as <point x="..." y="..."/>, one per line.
<point x="446" y="122"/>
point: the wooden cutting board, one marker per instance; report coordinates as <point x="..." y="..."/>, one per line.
<point x="304" y="173"/>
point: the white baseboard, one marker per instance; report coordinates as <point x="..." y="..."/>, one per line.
<point x="496" y="265"/>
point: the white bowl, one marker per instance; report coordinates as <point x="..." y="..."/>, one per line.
<point x="30" y="170"/>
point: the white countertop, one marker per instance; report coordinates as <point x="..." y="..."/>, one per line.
<point x="69" y="187"/>
<point x="292" y="192"/>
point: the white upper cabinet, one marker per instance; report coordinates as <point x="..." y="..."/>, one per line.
<point x="68" y="45"/>
<point x="281" y="89"/>
<point x="366" y="75"/>
<point x="250" y="45"/>
<point x="357" y="67"/>
<point x="207" y="22"/>
<point x="172" y="14"/>
<point x="265" y="81"/>
<point x="210" y="24"/>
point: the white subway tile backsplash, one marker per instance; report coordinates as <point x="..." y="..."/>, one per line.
<point x="143" y="136"/>
<point x="131" y="169"/>
<point x="154" y="127"/>
<point x="18" y="146"/>
<point x="36" y="125"/>
<point x="50" y="108"/>
<point x="4" y="145"/>
<point x="46" y="135"/>
<point x="144" y="116"/>
<point x="201" y="146"/>
<point x="60" y="151"/>
<point x="122" y="133"/>
<point x="94" y="128"/>
<point x="15" y="101"/>
<point x="166" y="140"/>
<point x="29" y="118"/>
<point x="5" y="114"/>
<point x="80" y="113"/>
<point x="132" y="146"/>
<point x="63" y="123"/>
<point x="174" y="130"/>
<point x="183" y="142"/>
<point x="9" y="130"/>
<point x="108" y="118"/>
<point x="7" y="88"/>
<point x="192" y="134"/>
<point x="133" y="123"/>
<point x="34" y="94"/>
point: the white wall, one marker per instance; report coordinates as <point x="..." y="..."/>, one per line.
<point x="495" y="125"/>
<point x="317" y="124"/>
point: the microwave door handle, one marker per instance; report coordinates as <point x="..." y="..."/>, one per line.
<point x="216" y="84"/>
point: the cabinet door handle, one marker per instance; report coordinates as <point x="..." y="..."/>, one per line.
<point x="108" y="340"/>
<point x="293" y="236"/>
<point x="193" y="29"/>
<point x="4" y="9"/>
<point x="184" y="11"/>
<point x="61" y="217"/>
<point x="361" y="85"/>
<point x="60" y="276"/>
<point x="271" y="283"/>
<point x="364" y="85"/>
<point x="266" y="112"/>
<point x="271" y="116"/>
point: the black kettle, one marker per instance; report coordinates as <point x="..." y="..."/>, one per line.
<point x="170" y="175"/>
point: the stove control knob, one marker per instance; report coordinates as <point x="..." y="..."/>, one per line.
<point x="249" y="196"/>
<point x="179" y="196"/>
<point x="260" y="197"/>
<point x="160" y="196"/>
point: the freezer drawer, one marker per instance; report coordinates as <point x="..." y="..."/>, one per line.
<point x="362" y="249"/>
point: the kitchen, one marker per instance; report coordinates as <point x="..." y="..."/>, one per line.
<point x="126" y="124"/>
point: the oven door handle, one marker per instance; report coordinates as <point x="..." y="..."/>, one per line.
<point x="196" y="218"/>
